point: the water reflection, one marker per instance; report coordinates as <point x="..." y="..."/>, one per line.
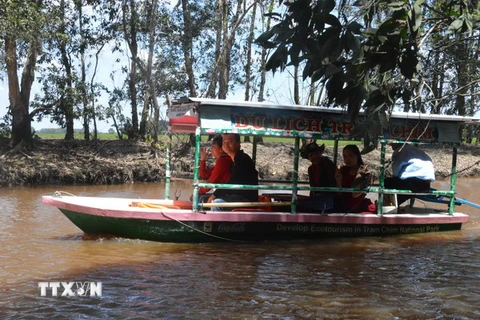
<point x="406" y="277"/>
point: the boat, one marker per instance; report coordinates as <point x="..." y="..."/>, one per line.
<point x="276" y="216"/>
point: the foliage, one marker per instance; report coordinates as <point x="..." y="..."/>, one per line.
<point x="169" y="72"/>
<point x="5" y="126"/>
<point x="69" y="64"/>
<point x="365" y="55"/>
<point x="368" y="54"/>
<point x="21" y="19"/>
<point x="74" y="33"/>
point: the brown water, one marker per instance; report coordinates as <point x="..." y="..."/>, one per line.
<point x="426" y="276"/>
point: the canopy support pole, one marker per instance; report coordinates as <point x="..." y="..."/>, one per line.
<point x="295" y="175"/>
<point x="453" y="181"/>
<point x="196" y="170"/>
<point x="381" y="178"/>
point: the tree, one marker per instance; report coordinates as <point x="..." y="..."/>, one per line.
<point x="150" y="92"/>
<point x="248" y="65"/>
<point x="114" y="110"/>
<point x="67" y="86"/>
<point x="210" y="33"/>
<point x="159" y="74"/>
<point x="19" y="31"/>
<point x="369" y="60"/>
<point x="187" y="44"/>
<point x="229" y="32"/>
<point x="263" y="58"/>
<point x="71" y="55"/>
<point x="130" y="24"/>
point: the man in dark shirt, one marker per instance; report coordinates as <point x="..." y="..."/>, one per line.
<point x="242" y="172"/>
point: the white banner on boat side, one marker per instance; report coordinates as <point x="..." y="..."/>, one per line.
<point x="70" y="289"/>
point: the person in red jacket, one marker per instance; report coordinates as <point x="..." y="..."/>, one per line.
<point x="220" y="172"/>
<point x="353" y="174"/>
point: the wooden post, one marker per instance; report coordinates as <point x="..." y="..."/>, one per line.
<point x="246" y="204"/>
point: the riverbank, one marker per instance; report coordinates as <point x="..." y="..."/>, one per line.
<point x="60" y="162"/>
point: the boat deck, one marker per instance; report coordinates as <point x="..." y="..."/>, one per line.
<point x="123" y="208"/>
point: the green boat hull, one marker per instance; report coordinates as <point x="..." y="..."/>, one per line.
<point x="214" y="231"/>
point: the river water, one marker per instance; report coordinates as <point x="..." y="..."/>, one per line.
<point x="423" y="276"/>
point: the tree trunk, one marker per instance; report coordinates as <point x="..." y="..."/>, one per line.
<point x="119" y="134"/>
<point x="248" y="65"/>
<point x="67" y="98"/>
<point x="263" y="58"/>
<point x="224" y="65"/>
<point x="475" y="66"/>
<point x="20" y="97"/>
<point x="150" y="95"/>
<point x="435" y="83"/>
<point x="296" y="90"/>
<point x="19" y="91"/>
<point x="131" y="39"/>
<point x="212" y="87"/>
<point x="83" y="86"/>
<point x="187" y="48"/>
<point x="92" y="92"/>
<point x="441" y="83"/>
<point x="151" y="84"/>
<point x="462" y="78"/>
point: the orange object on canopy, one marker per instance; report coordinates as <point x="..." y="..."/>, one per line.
<point x="185" y="124"/>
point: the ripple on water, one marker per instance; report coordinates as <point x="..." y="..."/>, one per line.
<point x="429" y="276"/>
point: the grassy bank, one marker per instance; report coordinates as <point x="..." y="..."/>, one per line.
<point x="56" y="161"/>
<point x="183" y="138"/>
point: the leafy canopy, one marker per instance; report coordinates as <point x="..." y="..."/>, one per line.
<point x="367" y="52"/>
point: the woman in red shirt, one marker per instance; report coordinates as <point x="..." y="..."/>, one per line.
<point x="321" y="173"/>
<point x="220" y="172"/>
<point x="348" y="177"/>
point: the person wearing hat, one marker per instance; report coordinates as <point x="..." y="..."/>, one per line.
<point x="321" y="173"/>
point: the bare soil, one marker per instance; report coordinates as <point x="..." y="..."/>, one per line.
<point x="59" y="162"/>
<point x="275" y="160"/>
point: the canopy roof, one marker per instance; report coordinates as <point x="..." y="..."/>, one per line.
<point x="264" y="118"/>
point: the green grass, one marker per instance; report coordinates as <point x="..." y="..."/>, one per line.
<point x="78" y="136"/>
<point x="108" y="136"/>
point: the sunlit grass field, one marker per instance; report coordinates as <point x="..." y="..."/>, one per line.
<point x="101" y="136"/>
<point x="108" y="136"/>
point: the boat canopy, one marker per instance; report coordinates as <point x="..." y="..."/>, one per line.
<point x="268" y="119"/>
<point x="210" y="116"/>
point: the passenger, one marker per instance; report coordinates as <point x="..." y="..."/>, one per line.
<point x="321" y="173"/>
<point x="242" y="171"/>
<point x="412" y="169"/>
<point x="353" y="174"/>
<point x="219" y="173"/>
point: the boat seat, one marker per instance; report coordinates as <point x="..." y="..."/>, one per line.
<point x="316" y="204"/>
